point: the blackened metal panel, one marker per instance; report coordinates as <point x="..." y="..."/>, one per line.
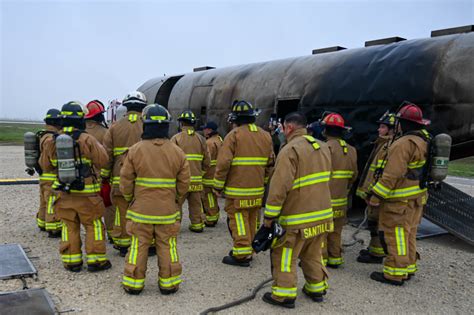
<point x="14" y="263"/>
<point x="27" y="302"/>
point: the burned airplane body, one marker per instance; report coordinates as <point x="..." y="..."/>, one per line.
<point x="435" y="73"/>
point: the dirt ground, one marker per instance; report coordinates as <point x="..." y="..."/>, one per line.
<point x="444" y="284"/>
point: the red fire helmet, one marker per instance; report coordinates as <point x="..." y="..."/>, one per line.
<point x="94" y="108"/>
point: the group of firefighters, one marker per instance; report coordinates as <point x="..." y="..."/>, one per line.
<point x="134" y="178"/>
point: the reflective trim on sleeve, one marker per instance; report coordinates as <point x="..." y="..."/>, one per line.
<point x="213" y="162"/>
<point x="386" y="193"/>
<point x="339" y="202"/>
<point x="219" y="184"/>
<point x="416" y="164"/>
<point x="196" y="179"/>
<point x="272" y="211"/>
<point x="104" y="172"/>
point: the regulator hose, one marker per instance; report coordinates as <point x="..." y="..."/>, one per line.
<point x="239" y="301"/>
<point x="359" y="240"/>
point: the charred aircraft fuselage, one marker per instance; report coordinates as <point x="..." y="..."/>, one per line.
<point x="361" y="84"/>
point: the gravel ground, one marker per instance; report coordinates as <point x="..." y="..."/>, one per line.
<point x="443" y="285"/>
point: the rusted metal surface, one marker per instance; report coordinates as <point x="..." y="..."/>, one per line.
<point x="435" y="73"/>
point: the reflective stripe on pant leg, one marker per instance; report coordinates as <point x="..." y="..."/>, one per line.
<point x="286" y="259"/>
<point x="71" y="259"/>
<point x="393" y="271"/>
<point x="51" y="200"/>
<point x="117" y="216"/>
<point x="335" y="260"/>
<point x="210" y="199"/>
<point x="64" y="235"/>
<point x="284" y="292"/>
<point x="400" y="239"/>
<point x="239" y="219"/>
<point x="132" y="258"/>
<point x="137" y="284"/>
<point x="173" y="250"/>
<point x="412" y="268"/>
<point x="170" y="282"/>
<point x="98" y="230"/>
<point x="316" y="287"/>
<point x="242" y="251"/>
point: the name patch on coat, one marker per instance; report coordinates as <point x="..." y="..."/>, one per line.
<point x="317" y="230"/>
<point x="248" y="203"/>
<point x="195" y="187"/>
<point x="339" y="214"/>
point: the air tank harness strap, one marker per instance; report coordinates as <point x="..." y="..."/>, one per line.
<point x="312" y="141"/>
<point x="343" y="145"/>
<point x="132" y="118"/>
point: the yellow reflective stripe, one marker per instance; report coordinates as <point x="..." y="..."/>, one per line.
<point x="120" y="150"/>
<point x="51" y="200"/>
<point x="64" y="234"/>
<point x="210" y="199"/>
<point x="284" y="292"/>
<point x="156" y="182"/>
<point x="54" y="162"/>
<point x="395" y="271"/>
<point x="117" y="216"/>
<point x="400" y="240"/>
<point x="241" y="251"/>
<point x="208" y="182"/>
<point x="316" y="287"/>
<point x="335" y="260"/>
<point x="173" y="250"/>
<point x="379" y="164"/>
<point x="219" y="184"/>
<point x="157" y="117"/>
<point x="412" y="268"/>
<point x="239" y="220"/>
<point x="95" y="258"/>
<point x="341" y="174"/>
<point x="194" y="157"/>
<point x="104" y="172"/>
<point x="213" y="162"/>
<point x="286" y="259"/>
<point x="68" y="113"/>
<point x="311" y="179"/>
<point x="234" y="191"/>
<point x="133" y="283"/>
<point x="313" y="142"/>
<point x="249" y="160"/>
<point x="306" y="217"/>
<point x="67" y="129"/>
<point x="71" y="259"/>
<point x="253" y="127"/>
<point x="133" y="251"/>
<point x="170" y="282"/>
<point x="339" y="202"/>
<point x="116" y="180"/>
<point x="41" y="223"/>
<point x="98" y="230"/>
<point x="195" y="179"/>
<point x="376" y="250"/>
<point x="416" y="164"/>
<point x="151" y="219"/>
<point x="272" y="211"/>
<point x="48" y="177"/>
<point x="132" y="118"/>
<point x="190" y="132"/>
<point x="89" y="188"/>
<point x="386" y="193"/>
<point x="54" y="226"/>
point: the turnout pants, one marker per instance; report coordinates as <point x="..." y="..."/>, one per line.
<point x="332" y="242"/>
<point x="75" y="210"/>
<point x="41" y="214"/>
<point x="53" y="223"/>
<point x="398" y="225"/>
<point x="243" y="227"/>
<point x="169" y="274"/>
<point x="109" y="219"/>
<point x="375" y="246"/>
<point x="119" y="233"/>
<point x="284" y="257"/>
<point x="194" y="208"/>
<point x="211" y="207"/>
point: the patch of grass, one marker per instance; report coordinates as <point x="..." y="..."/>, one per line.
<point x="13" y="133"/>
<point x="462" y="168"/>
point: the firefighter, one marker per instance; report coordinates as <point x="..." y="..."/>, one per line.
<point x="242" y="170"/>
<point x="343" y="176"/>
<point x="400" y="199"/>
<point x="121" y="135"/>
<point x="214" y="144"/>
<point x="78" y="202"/>
<point x="195" y="148"/>
<point x="97" y="127"/>
<point x="374" y="167"/>
<point x="299" y="199"/>
<point x="47" y="218"/>
<point x="155" y="174"/>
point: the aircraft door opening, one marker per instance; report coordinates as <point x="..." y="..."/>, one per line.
<point x="163" y="95"/>
<point x="286" y="106"/>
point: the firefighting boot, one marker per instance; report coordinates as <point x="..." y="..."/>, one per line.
<point x="315" y="296"/>
<point x="99" y="267"/>
<point x="231" y="253"/>
<point x="364" y="251"/>
<point x="122" y="250"/>
<point x="369" y="259"/>
<point x="168" y="292"/>
<point x="378" y="276"/>
<point x="73" y="268"/>
<point x="287" y="303"/>
<point x="132" y="291"/>
<point x="210" y="224"/>
<point x="231" y="260"/>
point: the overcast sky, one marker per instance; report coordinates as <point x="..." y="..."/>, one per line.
<point x="56" y="51"/>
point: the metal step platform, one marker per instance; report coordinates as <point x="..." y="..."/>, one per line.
<point x="14" y="263"/>
<point x="26" y="302"/>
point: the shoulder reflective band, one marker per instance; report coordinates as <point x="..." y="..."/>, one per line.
<point x="386" y="193"/>
<point x="416" y="164"/>
<point x="342" y="174"/>
<point x="311" y="179"/>
<point x="343" y="145"/>
<point x="313" y="142"/>
<point x="120" y="150"/>
<point x="151" y="219"/>
<point x="286" y="254"/>
<point x="249" y="160"/>
<point x="132" y="118"/>
<point x="234" y="191"/>
<point x="308" y="217"/>
<point x="253" y="127"/>
<point x="194" y="157"/>
<point x="155" y="182"/>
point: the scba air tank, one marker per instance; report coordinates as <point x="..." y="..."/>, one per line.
<point x="440" y="159"/>
<point x="31" y="149"/>
<point x="67" y="172"/>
